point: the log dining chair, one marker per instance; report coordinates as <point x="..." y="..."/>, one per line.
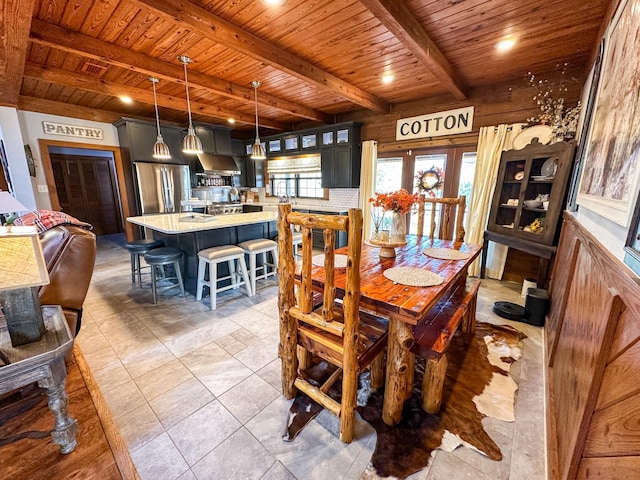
<point x="440" y="226"/>
<point x="336" y="331"/>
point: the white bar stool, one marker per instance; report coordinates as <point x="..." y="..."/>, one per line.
<point x="211" y="257"/>
<point x="296" y="240"/>
<point x="260" y="246"/>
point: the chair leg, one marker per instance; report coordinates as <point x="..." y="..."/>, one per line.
<point x="348" y="405"/>
<point x="133" y="267"/>
<point x="153" y="284"/>
<point x="213" y="284"/>
<point x="202" y="265"/>
<point x="232" y="271"/>
<point x="252" y="271"/>
<point x="245" y="275"/>
<point x="304" y="358"/>
<point x="275" y="254"/>
<point x="176" y="266"/>
<point x="138" y="268"/>
<point x="377" y="371"/>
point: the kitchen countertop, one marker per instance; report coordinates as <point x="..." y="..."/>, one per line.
<point x="170" y="222"/>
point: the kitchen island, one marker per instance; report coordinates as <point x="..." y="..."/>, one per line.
<point x="194" y="232"/>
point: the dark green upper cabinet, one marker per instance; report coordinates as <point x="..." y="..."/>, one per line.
<point x="338" y="145"/>
<point x="214" y="139"/>
<point x="340" y="156"/>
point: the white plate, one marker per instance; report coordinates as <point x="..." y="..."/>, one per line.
<point x="543" y="132"/>
<point x="550" y="167"/>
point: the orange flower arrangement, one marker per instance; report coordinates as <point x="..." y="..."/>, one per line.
<point x="400" y="201"/>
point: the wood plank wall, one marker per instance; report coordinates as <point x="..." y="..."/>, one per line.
<point x="593" y="361"/>
<point x="508" y="102"/>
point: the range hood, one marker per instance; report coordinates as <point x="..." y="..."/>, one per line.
<point x="220" y="164"/>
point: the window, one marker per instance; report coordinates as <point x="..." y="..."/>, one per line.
<point x="310" y="141"/>
<point x="274" y="146"/>
<point x="467" y="174"/>
<point x="291" y="143"/>
<point x="388" y="175"/>
<point x="296" y="185"/>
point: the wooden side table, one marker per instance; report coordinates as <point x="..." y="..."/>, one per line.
<point x="43" y="361"/>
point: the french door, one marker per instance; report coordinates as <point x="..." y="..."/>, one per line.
<point x="454" y="166"/>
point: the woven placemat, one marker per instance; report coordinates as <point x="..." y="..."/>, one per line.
<point x="445" y="253"/>
<point x="339" y="261"/>
<point x="412" y="276"/>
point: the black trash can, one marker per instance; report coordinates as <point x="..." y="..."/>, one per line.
<point x="536" y="306"/>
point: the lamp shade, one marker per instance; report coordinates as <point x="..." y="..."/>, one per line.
<point x="257" y="151"/>
<point x="160" y="149"/>
<point x="8" y="204"/>
<point x="191" y="142"/>
<point x="22" y="262"/>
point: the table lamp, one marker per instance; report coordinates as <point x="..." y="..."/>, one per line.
<point x="8" y="204"/>
<point x="22" y="269"/>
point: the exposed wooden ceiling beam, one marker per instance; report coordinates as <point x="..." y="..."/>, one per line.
<point x="69" y="41"/>
<point x="220" y="31"/>
<point x="83" y="82"/>
<point x="15" y="22"/>
<point x="42" y="105"/>
<point x="396" y="16"/>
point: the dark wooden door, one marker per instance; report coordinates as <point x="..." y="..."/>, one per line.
<point x="87" y="190"/>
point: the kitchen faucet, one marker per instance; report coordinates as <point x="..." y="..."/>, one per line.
<point x="282" y="198"/>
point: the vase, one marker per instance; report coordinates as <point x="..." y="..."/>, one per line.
<point x="398" y="228"/>
<point x="378" y="217"/>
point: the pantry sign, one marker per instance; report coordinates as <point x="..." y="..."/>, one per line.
<point x="72" y="130"/>
<point x="450" y="122"/>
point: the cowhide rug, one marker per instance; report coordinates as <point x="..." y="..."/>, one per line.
<point x="478" y="384"/>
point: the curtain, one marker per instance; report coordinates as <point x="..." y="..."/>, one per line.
<point x="367" y="183"/>
<point x="492" y="141"/>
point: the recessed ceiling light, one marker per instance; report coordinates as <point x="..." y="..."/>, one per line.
<point x="505" y="45"/>
<point x="126" y="99"/>
<point x="274" y="2"/>
<point x="387" y="78"/>
<point x="231" y="120"/>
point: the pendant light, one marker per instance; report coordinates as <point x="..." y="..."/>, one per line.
<point x="257" y="150"/>
<point x="191" y="143"/>
<point x="160" y="149"/>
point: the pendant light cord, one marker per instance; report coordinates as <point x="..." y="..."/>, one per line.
<point x="155" y="101"/>
<point x="256" y="84"/>
<point x="186" y="60"/>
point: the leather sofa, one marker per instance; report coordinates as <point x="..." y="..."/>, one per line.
<point x="70" y="253"/>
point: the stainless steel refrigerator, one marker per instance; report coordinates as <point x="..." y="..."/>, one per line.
<point x="162" y="186"/>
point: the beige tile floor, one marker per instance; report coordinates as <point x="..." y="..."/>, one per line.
<point x="196" y="393"/>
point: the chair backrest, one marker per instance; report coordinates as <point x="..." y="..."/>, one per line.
<point x="302" y="307"/>
<point x="442" y="224"/>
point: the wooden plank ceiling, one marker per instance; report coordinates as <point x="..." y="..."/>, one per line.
<point x="316" y="59"/>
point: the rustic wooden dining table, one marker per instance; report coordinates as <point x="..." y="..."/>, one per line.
<point x="404" y="305"/>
